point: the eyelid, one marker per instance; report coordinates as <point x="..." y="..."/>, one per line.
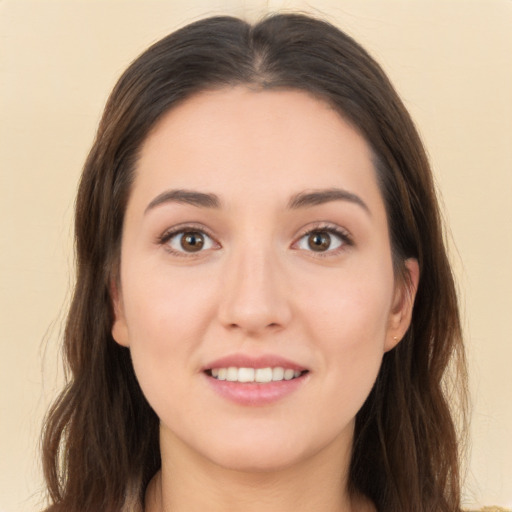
<point x="342" y="233"/>
<point x="168" y="234"/>
<point x="333" y="229"/>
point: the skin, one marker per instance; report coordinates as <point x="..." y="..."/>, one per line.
<point x="257" y="288"/>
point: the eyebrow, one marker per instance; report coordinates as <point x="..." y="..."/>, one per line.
<point x="200" y="199"/>
<point x="317" y="197"/>
<point x="300" y="200"/>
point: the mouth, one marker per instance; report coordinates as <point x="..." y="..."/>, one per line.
<point x="255" y="381"/>
<point x="249" y="375"/>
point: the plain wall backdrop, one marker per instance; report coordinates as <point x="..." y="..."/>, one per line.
<point x="450" y="61"/>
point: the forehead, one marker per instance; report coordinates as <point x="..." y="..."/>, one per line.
<point x="238" y="139"/>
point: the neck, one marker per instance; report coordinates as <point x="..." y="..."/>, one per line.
<point x="189" y="483"/>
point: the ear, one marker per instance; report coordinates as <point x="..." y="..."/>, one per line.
<point x="119" y="327"/>
<point x="403" y="303"/>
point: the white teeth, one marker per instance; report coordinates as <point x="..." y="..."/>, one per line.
<point x="260" y="375"/>
<point x="278" y="373"/>
<point x="263" y="375"/>
<point x="232" y="374"/>
<point x="289" y="374"/>
<point x="246" y="374"/>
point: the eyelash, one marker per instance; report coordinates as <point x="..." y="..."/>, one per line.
<point x="332" y="229"/>
<point x="168" y="235"/>
<point x="343" y="235"/>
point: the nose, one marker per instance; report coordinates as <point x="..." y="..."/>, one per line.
<point x="255" y="297"/>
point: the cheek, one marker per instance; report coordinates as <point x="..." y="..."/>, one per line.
<point x="163" y="307"/>
<point x="351" y="307"/>
<point x="347" y="320"/>
<point x="166" y="323"/>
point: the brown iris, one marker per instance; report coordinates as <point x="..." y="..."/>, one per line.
<point x="319" y="241"/>
<point x="192" y="241"/>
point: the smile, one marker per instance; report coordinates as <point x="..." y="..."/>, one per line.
<point x="254" y="375"/>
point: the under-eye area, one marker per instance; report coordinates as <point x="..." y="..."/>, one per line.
<point x="255" y="375"/>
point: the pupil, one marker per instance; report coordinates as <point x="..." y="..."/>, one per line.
<point x="319" y="241"/>
<point x="192" y="242"/>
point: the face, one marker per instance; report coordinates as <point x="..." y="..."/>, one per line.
<point x="256" y="289"/>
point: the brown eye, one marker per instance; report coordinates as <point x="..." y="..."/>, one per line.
<point x="323" y="240"/>
<point x="319" y="241"/>
<point x="190" y="241"/>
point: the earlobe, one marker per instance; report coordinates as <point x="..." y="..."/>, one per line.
<point x="119" y="327"/>
<point x="403" y="304"/>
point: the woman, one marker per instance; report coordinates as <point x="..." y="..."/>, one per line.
<point x="264" y="312"/>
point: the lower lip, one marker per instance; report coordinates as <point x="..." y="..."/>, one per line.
<point x="255" y="394"/>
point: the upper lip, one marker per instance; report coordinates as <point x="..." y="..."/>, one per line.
<point x="246" y="361"/>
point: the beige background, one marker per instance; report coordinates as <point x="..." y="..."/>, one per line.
<point x="450" y="60"/>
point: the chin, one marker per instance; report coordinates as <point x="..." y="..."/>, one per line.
<point x="257" y="459"/>
<point x="270" y="452"/>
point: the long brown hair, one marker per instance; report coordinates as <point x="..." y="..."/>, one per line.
<point x="100" y="442"/>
